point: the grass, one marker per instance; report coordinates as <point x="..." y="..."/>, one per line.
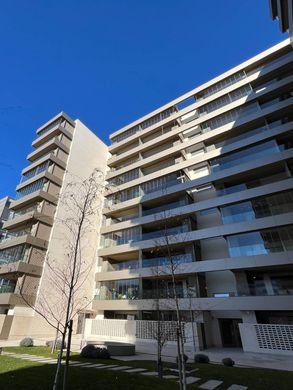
<point x="25" y="375"/>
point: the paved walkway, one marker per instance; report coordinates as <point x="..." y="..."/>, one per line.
<point x="248" y="359"/>
<point x="211" y="384"/>
<point x="245" y="359"/>
<point x="242" y="359"/>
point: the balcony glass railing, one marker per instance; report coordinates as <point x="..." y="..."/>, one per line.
<point x="258" y="208"/>
<point x="167" y="261"/>
<point x="19" y="213"/>
<point x="164" y="232"/>
<point x="245" y="155"/>
<point x="7" y="289"/>
<point x="11" y="236"/>
<point x="121" y="266"/>
<point x="261" y="242"/>
<point x="37" y="185"/>
<point x="134" y="235"/>
<point x="36" y="171"/>
<point x="166" y="206"/>
<point x="148" y="263"/>
<point x="12" y="259"/>
<point x="57" y="122"/>
<point x="134" y="294"/>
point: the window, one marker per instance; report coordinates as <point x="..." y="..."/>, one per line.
<point x="262" y="242"/>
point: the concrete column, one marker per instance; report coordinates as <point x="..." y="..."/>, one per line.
<point x="248" y="317"/>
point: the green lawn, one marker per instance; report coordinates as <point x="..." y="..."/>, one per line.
<point x="25" y="375"/>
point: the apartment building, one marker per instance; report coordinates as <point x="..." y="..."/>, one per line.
<point x="200" y="189"/>
<point x="4" y="214"/>
<point x="282" y="10"/>
<point x="204" y="182"/>
<point x="64" y="150"/>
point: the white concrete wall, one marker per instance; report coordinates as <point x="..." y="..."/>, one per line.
<point x="87" y="153"/>
<point x="265" y="338"/>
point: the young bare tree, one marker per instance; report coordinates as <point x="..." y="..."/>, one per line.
<point x="159" y="331"/>
<point x="69" y="272"/>
<point x="165" y="245"/>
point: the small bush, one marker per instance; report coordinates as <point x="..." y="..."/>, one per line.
<point x="50" y="343"/>
<point x="228" y="362"/>
<point x="201" y="358"/>
<point x="27" y="342"/>
<point x="92" y="352"/>
<point x="103" y="353"/>
<point x="185" y="359"/>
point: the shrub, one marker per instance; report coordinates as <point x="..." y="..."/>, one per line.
<point x="185" y="359"/>
<point x="201" y="358"/>
<point x="228" y="362"/>
<point x="103" y="353"/>
<point x="50" y="343"/>
<point x="89" y="351"/>
<point x="92" y="352"/>
<point x="27" y="342"/>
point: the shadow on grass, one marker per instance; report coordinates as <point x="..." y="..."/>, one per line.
<point x="40" y="377"/>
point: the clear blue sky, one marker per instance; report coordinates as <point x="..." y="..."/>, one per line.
<point x="108" y="62"/>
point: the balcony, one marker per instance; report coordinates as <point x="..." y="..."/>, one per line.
<point x="134" y="294"/>
<point x="51" y="131"/>
<point x="120" y="266"/>
<point x="46" y="148"/>
<point x="24" y="239"/>
<point x="4" y="260"/>
<point x="35" y="196"/>
<point x="165" y="261"/>
<point x="134" y="235"/>
<point x="140" y="302"/>
<point x="7" y="289"/>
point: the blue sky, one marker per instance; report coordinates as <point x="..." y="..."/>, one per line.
<point x="108" y="62"/>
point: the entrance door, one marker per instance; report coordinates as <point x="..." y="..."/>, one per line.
<point x="230" y="332"/>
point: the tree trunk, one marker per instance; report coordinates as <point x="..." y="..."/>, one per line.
<point x="67" y="355"/>
<point x="57" y="373"/>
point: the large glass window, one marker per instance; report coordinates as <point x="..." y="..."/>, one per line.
<point x="147" y="123"/>
<point x="225" y="189"/>
<point x="121" y="237"/>
<point x="262" y="242"/>
<point x="35" y="186"/>
<point x="125" y="177"/>
<point x="6" y="286"/>
<point x="223" y="84"/>
<point x="244" y="155"/>
<point x="224" y="100"/>
<point x="258" y="208"/>
<point x="11" y="255"/>
<point x="36" y="171"/>
<point x="119" y="289"/>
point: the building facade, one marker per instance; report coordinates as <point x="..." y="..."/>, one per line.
<point x="198" y="205"/>
<point x="64" y="150"/>
<point x="205" y="182"/>
<point x="283" y="11"/>
<point x="4" y="214"/>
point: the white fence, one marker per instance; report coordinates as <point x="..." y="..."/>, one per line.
<point x="267" y="338"/>
<point x="142" y="333"/>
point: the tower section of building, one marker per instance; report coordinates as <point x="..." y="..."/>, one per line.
<point x="32" y="228"/>
<point x="206" y="182"/>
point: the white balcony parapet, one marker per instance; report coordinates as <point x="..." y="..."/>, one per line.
<point x="267" y="338"/>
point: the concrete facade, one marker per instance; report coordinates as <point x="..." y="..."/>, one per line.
<point x="4" y="214"/>
<point x="282" y="10"/>
<point x="205" y="176"/>
<point x="203" y="184"/>
<point x="65" y="153"/>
